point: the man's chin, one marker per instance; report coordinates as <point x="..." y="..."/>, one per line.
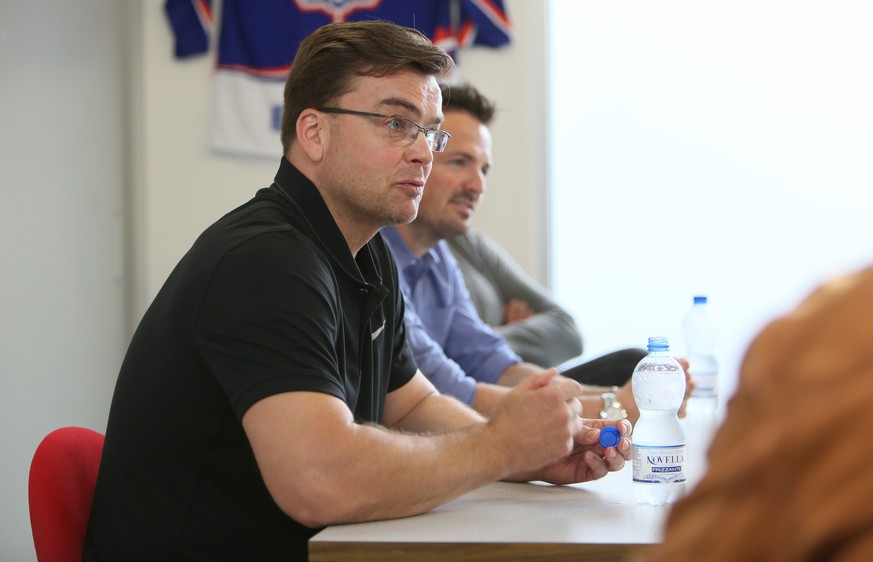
<point x="454" y="230"/>
<point x="405" y="218"/>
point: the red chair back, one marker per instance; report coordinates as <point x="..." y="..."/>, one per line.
<point x="63" y="473"/>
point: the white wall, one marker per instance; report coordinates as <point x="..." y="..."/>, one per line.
<point x="516" y="201"/>
<point x="184" y="187"/>
<point x="62" y="328"/>
<point x="721" y="148"/>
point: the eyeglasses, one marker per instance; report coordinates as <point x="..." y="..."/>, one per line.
<point x="401" y="129"/>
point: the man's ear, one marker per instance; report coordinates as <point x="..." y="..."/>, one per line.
<point x="312" y="133"/>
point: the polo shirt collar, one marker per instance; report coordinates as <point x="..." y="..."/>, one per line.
<point x="300" y="193"/>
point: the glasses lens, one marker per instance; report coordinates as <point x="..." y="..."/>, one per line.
<point x="401" y="129"/>
<point x="406" y="130"/>
<point x="410" y="130"/>
<point x="437" y="140"/>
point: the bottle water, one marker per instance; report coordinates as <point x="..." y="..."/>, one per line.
<point x="700" y="330"/>
<point x="658" y="439"/>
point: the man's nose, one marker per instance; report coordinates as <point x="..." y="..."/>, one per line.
<point x="475" y="185"/>
<point x="420" y="151"/>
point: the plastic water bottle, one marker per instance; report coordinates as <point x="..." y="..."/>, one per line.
<point x="700" y="329"/>
<point x="659" y="441"/>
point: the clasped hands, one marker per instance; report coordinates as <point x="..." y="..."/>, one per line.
<point x="546" y="438"/>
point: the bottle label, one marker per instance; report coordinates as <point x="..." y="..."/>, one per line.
<point x="659" y="465"/>
<point x="707" y="385"/>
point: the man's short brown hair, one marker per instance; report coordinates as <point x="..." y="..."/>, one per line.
<point x="465" y="97"/>
<point x="332" y="55"/>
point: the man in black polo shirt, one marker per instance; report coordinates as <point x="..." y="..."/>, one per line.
<point x="269" y="390"/>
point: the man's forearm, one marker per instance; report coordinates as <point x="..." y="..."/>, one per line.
<point x="591" y="400"/>
<point x="411" y="474"/>
<point x="517" y="372"/>
<point x="361" y="472"/>
<point x="437" y="413"/>
<point x="488" y="396"/>
<point x="435" y="449"/>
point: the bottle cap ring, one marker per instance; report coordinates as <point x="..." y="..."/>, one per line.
<point x="609" y="436"/>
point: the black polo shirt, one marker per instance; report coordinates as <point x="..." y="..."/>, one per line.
<point x="268" y="300"/>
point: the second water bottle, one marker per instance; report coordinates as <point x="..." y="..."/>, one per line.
<point x="700" y="329"/>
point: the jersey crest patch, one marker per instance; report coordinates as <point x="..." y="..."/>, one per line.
<point x="336" y="9"/>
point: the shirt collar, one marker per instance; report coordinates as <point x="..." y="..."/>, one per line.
<point x="413" y="267"/>
<point x="309" y="208"/>
<point x="403" y="255"/>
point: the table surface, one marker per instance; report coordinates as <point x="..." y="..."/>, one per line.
<point x="505" y="521"/>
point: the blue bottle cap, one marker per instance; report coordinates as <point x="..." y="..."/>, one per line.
<point x="609" y="436"/>
<point x="699" y="299"/>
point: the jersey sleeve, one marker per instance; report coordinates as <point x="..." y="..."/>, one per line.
<point x="484" y="22"/>
<point x="191" y="23"/>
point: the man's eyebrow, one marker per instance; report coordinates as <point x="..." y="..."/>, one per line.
<point x="469" y="157"/>
<point x="409" y="107"/>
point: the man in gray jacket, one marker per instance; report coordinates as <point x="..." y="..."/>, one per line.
<point x="521" y="310"/>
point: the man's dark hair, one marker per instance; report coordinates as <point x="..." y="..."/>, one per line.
<point x="465" y="97"/>
<point x="328" y="59"/>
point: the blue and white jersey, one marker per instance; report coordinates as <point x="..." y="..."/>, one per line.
<point x="258" y="40"/>
<point x="483" y="22"/>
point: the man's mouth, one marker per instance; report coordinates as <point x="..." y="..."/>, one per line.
<point x="465" y="204"/>
<point x="412" y="186"/>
